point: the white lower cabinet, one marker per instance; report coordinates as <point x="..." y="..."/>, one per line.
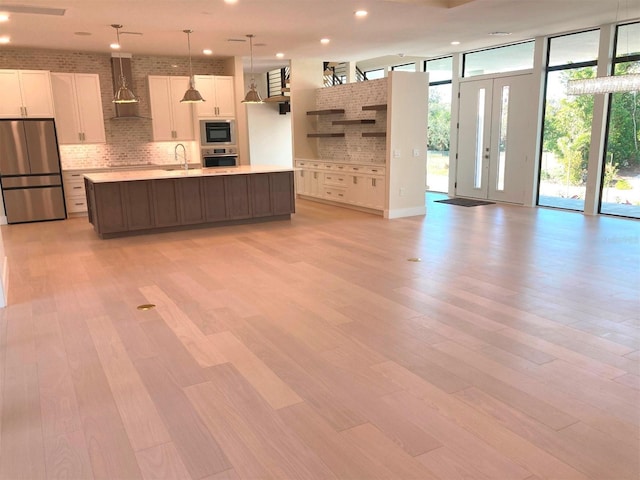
<point x="74" y="193"/>
<point x="358" y="185"/>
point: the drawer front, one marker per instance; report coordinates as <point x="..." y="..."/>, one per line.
<point x="335" y="179"/>
<point x="357" y="168"/>
<point x="73" y="189"/>
<point x="337" y="194"/>
<point x="375" y="170"/>
<point x="301" y="163"/>
<point x="76" y="204"/>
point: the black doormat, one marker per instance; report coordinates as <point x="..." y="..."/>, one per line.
<point x="465" y="202"/>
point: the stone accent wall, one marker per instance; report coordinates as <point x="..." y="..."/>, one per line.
<point x="352" y="97"/>
<point x="129" y="140"/>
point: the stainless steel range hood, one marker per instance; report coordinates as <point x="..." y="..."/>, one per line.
<point x="123" y="110"/>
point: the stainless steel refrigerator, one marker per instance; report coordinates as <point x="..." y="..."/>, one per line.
<point x="30" y="174"/>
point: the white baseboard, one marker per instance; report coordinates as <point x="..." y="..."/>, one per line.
<point x="4" y="282"/>
<point x="406" y="212"/>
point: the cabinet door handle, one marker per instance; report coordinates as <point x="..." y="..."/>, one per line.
<point x="77" y="188"/>
<point x="373" y="182"/>
<point x="355" y="180"/>
<point x="315" y="174"/>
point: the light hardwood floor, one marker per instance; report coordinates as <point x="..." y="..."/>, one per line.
<point x="313" y="349"/>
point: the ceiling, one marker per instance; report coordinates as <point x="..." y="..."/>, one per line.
<point x="411" y="28"/>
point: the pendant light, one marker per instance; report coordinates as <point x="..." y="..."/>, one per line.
<point x="609" y="83"/>
<point x="123" y="94"/>
<point x="252" y="95"/>
<point x="191" y="95"/>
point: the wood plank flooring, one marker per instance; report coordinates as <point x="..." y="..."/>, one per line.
<point x="312" y="348"/>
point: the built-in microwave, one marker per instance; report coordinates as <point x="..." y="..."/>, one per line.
<point x="217" y="132"/>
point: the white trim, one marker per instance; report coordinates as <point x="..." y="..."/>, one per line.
<point x="4" y="283"/>
<point x="405" y="212"/>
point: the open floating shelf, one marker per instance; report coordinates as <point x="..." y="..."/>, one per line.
<point x="326" y="112"/>
<point x="322" y="135"/>
<point x="374" y="134"/>
<point x="363" y="121"/>
<point x="375" y="107"/>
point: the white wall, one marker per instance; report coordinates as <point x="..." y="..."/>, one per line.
<point x="306" y="77"/>
<point x="407" y="154"/>
<point x="270" y="139"/>
<point x="4" y="274"/>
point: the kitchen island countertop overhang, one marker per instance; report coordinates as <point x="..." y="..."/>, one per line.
<point x="146" y="201"/>
<point x="160" y="173"/>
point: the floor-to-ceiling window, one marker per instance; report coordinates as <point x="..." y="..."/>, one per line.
<point x="621" y="172"/>
<point x="439" y="123"/>
<point x="567" y="121"/>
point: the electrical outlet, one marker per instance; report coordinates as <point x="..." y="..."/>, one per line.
<point x="416" y="152"/>
<point x="402" y="191"/>
<point x="396" y="153"/>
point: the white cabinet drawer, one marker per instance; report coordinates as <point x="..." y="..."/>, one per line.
<point x="335" y="179"/>
<point x="375" y="170"/>
<point x="337" y="194"/>
<point x="76" y="204"/>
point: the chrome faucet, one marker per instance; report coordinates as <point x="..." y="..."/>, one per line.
<point x="184" y="155"/>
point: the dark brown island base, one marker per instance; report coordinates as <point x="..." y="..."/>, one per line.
<point x="146" y="201"/>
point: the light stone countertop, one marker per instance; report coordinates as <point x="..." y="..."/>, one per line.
<point x="132" y="175"/>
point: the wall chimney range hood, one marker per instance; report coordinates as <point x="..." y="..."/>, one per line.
<point x="123" y="110"/>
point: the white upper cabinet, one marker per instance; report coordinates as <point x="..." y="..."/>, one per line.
<point x="78" y="102"/>
<point x="218" y="94"/>
<point x="25" y="93"/>
<point x="171" y="120"/>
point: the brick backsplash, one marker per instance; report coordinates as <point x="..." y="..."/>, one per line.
<point x="129" y="140"/>
<point x="352" y="97"/>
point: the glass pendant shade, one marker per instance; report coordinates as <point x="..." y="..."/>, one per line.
<point x="123" y="93"/>
<point x="252" y="95"/>
<point x="609" y="84"/>
<point x="191" y="95"/>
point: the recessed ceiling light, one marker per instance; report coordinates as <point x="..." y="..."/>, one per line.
<point x="324" y="41"/>
<point x="207" y="51"/>
<point x="4" y="17"/>
<point x="115" y="46"/>
<point x="455" y="43"/>
<point x="230" y="1"/>
<point x="4" y="39"/>
<point x="361" y="13"/>
<point x="500" y="34"/>
<point x="280" y="55"/>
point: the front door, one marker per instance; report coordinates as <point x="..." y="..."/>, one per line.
<point x="493" y="148"/>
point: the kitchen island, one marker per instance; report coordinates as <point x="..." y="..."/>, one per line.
<point x="145" y="201"/>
